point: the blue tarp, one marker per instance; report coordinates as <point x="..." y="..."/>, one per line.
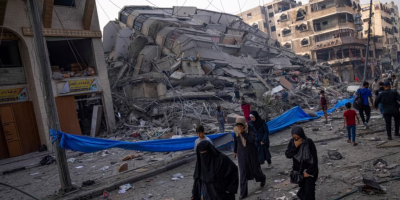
<point x="90" y="144"/>
<point x="297" y="114"/>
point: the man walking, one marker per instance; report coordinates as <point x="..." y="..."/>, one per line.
<point x="375" y="85"/>
<point x="365" y="93"/>
<point x="390" y="108"/>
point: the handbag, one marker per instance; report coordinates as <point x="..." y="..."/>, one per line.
<point x="358" y="102"/>
<point x="297" y="176"/>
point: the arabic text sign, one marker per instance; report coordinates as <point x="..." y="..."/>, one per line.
<point x="77" y="86"/>
<point x="13" y="95"/>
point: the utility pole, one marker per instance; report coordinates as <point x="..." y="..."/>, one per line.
<point x="369" y="34"/>
<point x="49" y="101"/>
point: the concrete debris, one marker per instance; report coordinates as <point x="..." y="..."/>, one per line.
<point x="179" y="68"/>
<point x="334" y="155"/>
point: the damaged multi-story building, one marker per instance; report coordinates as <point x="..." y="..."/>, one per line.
<point x="164" y="63"/>
<point x="384" y="43"/>
<point x="80" y="83"/>
<point x="324" y="31"/>
<point x="262" y="17"/>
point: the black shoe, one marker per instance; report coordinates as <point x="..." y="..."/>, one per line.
<point x="398" y="135"/>
<point x="389" y="138"/>
<point x="262" y="184"/>
<point x="242" y="197"/>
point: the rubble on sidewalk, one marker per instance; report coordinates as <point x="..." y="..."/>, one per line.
<point x="178" y="69"/>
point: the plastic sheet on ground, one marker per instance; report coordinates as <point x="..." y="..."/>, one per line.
<point x="90" y="144"/>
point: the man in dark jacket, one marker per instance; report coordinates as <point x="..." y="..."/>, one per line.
<point x="390" y="108"/>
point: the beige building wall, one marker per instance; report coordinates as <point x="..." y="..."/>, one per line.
<point x="382" y="42"/>
<point x="71" y="17"/>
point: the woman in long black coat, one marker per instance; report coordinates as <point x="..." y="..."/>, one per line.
<point x="261" y="137"/>
<point x="305" y="160"/>
<point x="246" y="152"/>
<point x="216" y="175"/>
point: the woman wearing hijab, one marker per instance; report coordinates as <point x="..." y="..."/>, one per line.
<point x="246" y="152"/>
<point x="215" y="176"/>
<point x="305" y="161"/>
<point x="261" y="137"/>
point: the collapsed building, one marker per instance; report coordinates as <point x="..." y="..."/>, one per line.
<point x="170" y="68"/>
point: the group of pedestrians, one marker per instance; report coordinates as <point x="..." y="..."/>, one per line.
<point x="217" y="177"/>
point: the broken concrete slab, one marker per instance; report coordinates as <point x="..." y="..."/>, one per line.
<point x="283" y="81"/>
<point x="177" y="75"/>
<point x="234" y="73"/>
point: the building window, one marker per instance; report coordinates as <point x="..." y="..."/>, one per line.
<point x="269" y="7"/>
<point x="304" y="42"/>
<point x="306" y="56"/>
<point x="301" y="14"/>
<point x="248" y="15"/>
<point x="286" y="32"/>
<point x="324" y="23"/>
<point x="271" y="14"/>
<point x="70" y="3"/>
<point x="284" y="17"/>
<point x="287" y="45"/>
<point x="302" y="27"/>
<point x="273" y="28"/>
<point x="63" y="58"/>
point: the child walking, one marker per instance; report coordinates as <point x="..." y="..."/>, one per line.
<point x="350" y="123"/>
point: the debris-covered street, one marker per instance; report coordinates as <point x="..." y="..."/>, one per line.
<point x="337" y="177"/>
<point x="126" y="102"/>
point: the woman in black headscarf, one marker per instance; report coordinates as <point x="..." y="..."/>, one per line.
<point x="262" y="137"/>
<point x="216" y="176"/>
<point x="305" y="161"/>
<point x="246" y="152"/>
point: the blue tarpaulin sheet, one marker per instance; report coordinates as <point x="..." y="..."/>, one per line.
<point x="90" y="144"/>
<point x="297" y="114"/>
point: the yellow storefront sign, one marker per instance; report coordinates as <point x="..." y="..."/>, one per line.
<point x="13" y="95"/>
<point x="79" y="86"/>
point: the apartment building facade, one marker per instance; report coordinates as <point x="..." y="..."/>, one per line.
<point x="263" y="17"/>
<point x="80" y="81"/>
<point x="325" y="31"/>
<point x="384" y="42"/>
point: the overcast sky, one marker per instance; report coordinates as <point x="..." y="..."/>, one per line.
<point x="228" y="6"/>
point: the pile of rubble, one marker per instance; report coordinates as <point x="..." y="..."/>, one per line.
<point x="181" y="63"/>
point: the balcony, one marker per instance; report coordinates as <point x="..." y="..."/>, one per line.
<point x="331" y="11"/>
